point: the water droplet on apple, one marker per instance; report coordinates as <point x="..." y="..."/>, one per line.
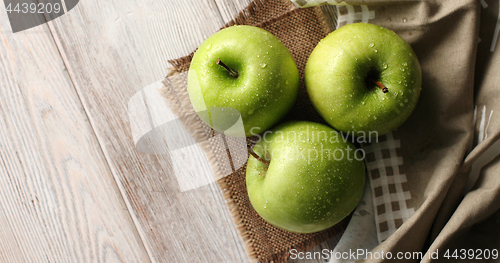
<point x="371" y="45"/>
<point x="206" y="57"/>
<point x="375" y="50"/>
<point x="401" y="104"/>
<point x="402" y="69"/>
<point x="209" y="46"/>
<point x="250" y="112"/>
<point x="286" y="82"/>
<point x="232" y="99"/>
<point x="374" y="117"/>
<point x="263" y="65"/>
<point x="314" y="198"/>
<point x="384" y="66"/>
<point x="405" y="64"/>
<point x="258" y="56"/>
<point x="404" y="20"/>
<point x="350" y="95"/>
<point x="406" y="100"/>
<point x="363" y="102"/>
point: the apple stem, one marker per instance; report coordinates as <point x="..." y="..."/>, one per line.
<point x="231" y="72"/>
<point x="380" y="85"/>
<point x="250" y="151"/>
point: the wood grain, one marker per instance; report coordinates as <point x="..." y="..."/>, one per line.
<point x="228" y="10"/>
<point x="113" y="49"/>
<point x="58" y="199"/>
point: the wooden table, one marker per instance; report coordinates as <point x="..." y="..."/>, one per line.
<point x="73" y="188"/>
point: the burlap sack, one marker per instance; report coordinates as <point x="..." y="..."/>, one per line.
<point x="434" y="182"/>
<point x="299" y="30"/>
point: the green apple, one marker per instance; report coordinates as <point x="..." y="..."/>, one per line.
<point x="363" y="79"/>
<point x="244" y="68"/>
<point x="306" y="177"/>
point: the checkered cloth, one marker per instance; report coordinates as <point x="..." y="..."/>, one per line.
<point x="434" y="183"/>
<point x="388" y="183"/>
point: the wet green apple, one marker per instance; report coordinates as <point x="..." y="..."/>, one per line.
<point x="244" y="68"/>
<point x="363" y="79"/>
<point x="305" y="178"/>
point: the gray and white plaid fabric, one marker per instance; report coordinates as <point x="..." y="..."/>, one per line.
<point x="309" y="3"/>
<point x="388" y="184"/>
<point x="349" y="14"/>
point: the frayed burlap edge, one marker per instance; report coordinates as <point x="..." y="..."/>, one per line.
<point x="181" y="106"/>
<point x="194" y="125"/>
<point x="249" y="239"/>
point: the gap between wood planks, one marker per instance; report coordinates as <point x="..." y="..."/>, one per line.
<point x="136" y="227"/>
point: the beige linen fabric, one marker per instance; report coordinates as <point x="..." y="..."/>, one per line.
<point x="451" y="139"/>
<point x="423" y="175"/>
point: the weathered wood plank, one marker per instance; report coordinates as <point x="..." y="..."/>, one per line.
<point x="113" y="49"/>
<point x="229" y="9"/>
<point x="58" y="199"/>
